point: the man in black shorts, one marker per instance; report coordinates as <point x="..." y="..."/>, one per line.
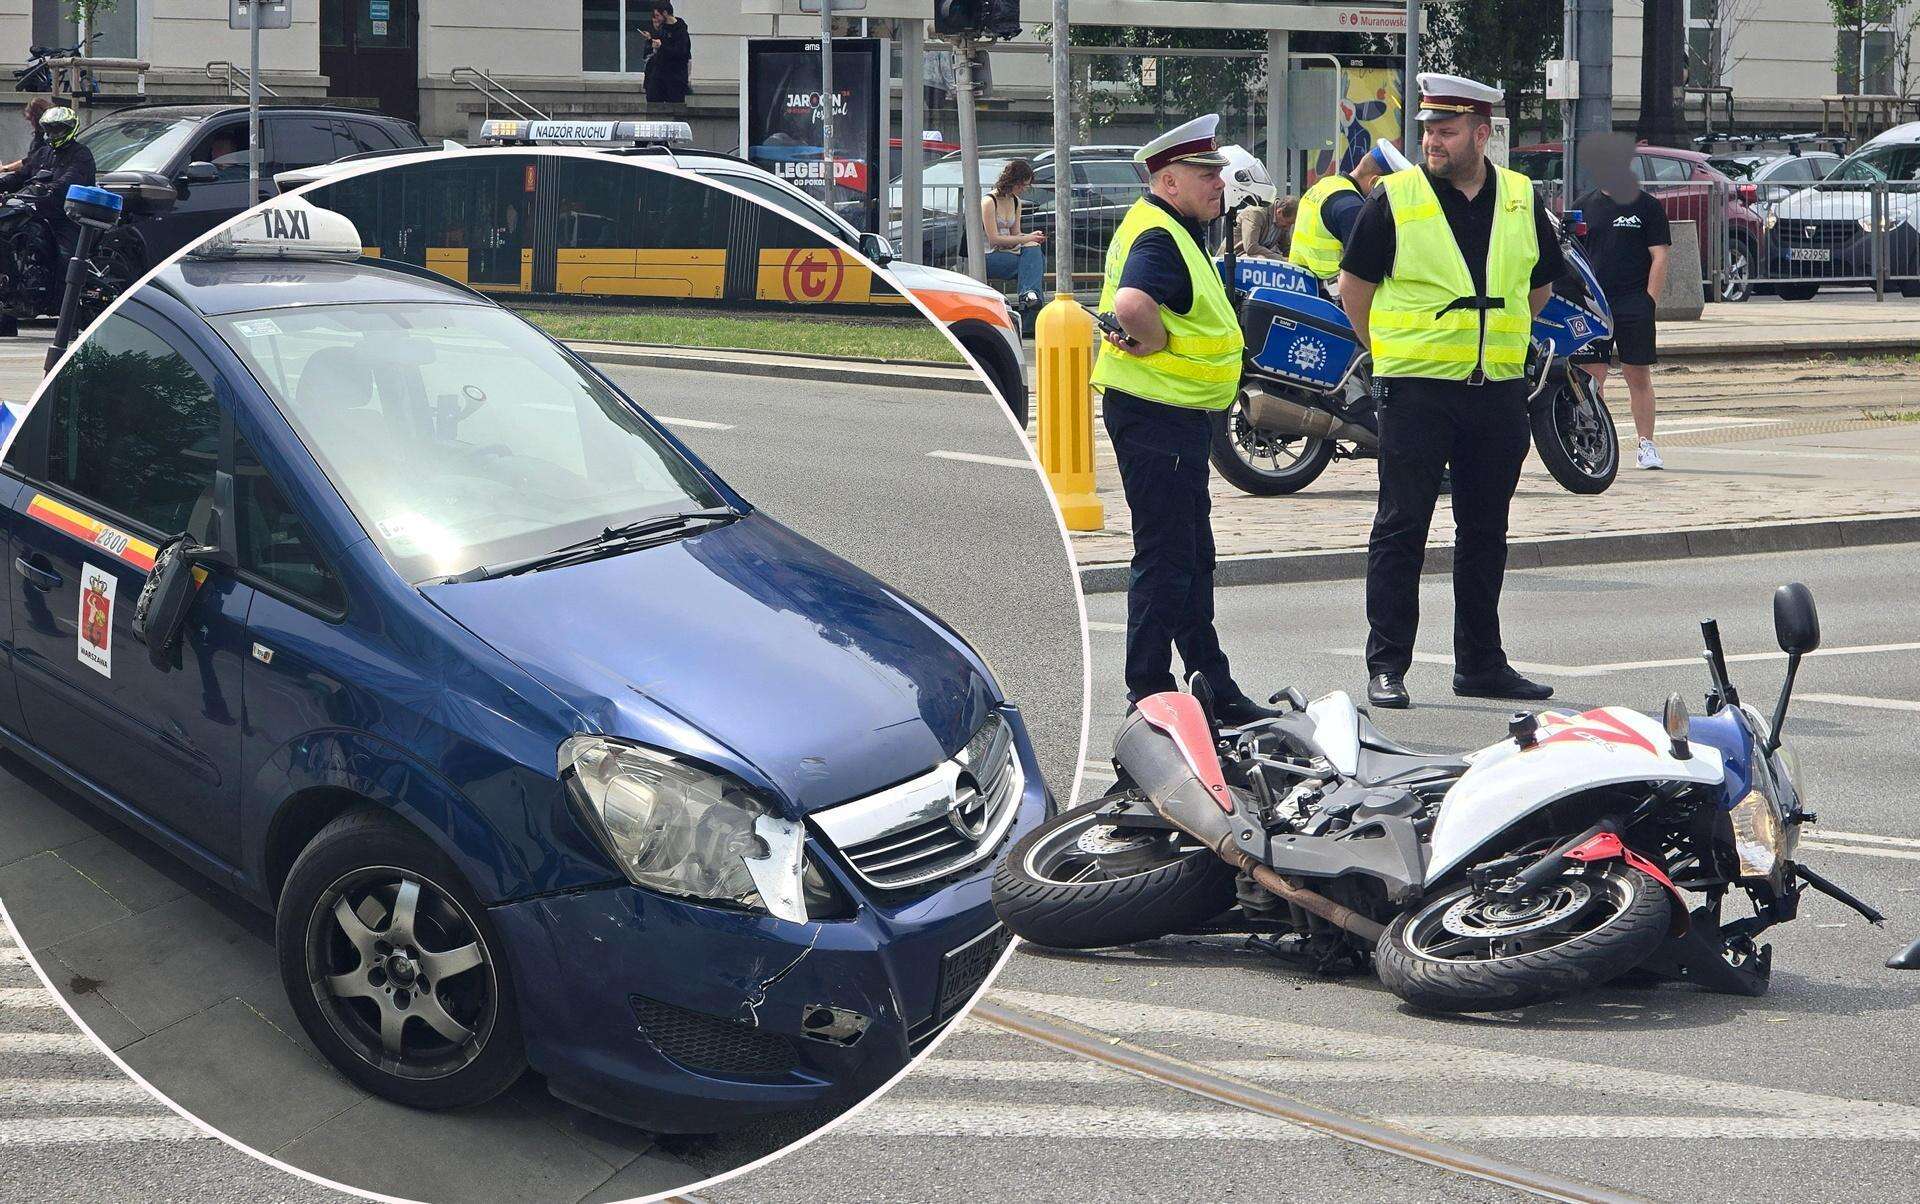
<point x="1627" y="242"/>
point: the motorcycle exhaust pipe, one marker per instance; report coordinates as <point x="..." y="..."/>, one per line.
<point x="1164" y="773"/>
<point x="1280" y="416"/>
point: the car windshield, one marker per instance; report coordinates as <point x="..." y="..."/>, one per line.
<point x="137" y="143"/>
<point x="458" y="434"/>
<point x="1899" y="162"/>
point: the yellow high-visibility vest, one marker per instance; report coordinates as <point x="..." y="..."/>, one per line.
<point x="1314" y="246"/>
<point x="1200" y="366"/>
<point x="1414" y="330"/>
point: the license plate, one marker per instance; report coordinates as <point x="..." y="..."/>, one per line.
<point x="962" y="970"/>
<point x="1811" y="254"/>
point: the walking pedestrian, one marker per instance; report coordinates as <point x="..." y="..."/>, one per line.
<point x="1013" y="253"/>
<point x="1175" y="361"/>
<point x="1627" y="241"/>
<point x="670" y="64"/>
<point x="1442" y="276"/>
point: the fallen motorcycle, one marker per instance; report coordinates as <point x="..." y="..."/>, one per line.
<point x="1581" y="847"/>
<point x="1306" y="396"/>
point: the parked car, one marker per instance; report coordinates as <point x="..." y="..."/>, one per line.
<point x="1822" y="235"/>
<point x="1106" y="182"/>
<point x="181" y="170"/>
<point x="1684" y="183"/>
<point x="544" y="746"/>
<point x="1774" y="175"/>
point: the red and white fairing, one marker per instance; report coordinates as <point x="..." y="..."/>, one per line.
<point x="1505" y="783"/>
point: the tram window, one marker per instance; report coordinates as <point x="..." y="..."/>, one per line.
<point x="786" y="202"/>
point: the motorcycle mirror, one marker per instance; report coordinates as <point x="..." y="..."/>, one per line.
<point x="1676" y="720"/>
<point x="1906" y="959"/>
<point x="1203" y="694"/>
<point x="1795" y="623"/>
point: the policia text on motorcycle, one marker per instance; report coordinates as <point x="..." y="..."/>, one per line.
<point x="1175" y="359"/>
<point x="69" y="162"/>
<point x="1441" y="278"/>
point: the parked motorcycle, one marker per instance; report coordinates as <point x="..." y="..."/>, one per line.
<point x="1306" y="398"/>
<point x="31" y="272"/>
<point x="1579" y="848"/>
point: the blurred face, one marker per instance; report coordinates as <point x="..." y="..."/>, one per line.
<point x="1194" y="191"/>
<point x="1454" y="145"/>
<point x="1611" y="160"/>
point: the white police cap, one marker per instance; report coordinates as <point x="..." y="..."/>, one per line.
<point x="1451" y="95"/>
<point x="1193" y="142"/>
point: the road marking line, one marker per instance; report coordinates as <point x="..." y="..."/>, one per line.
<point x="696" y="423"/>
<point x="35" y="999"/>
<point x="1905" y="842"/>
<point x="977" y="458"/>
<point x="68" y="1093"/>
<point x="1268" y="1070"/>
<point x="1864" y="851"/>
<point x="1129" y="1018"/>
<point x="32" y="1043"/>
<point x="1856" y="700"/>
<point x="94" y="1130"/>
<point x="1435" y="658"/>
<point x="996" y="1119"/>
<point x="1801" y="454"/>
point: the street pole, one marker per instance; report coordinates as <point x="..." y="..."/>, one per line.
<point x="1279" y="132"/>
<point x="970" y="159"/>
<point x="913" y="120"/>
<point x="253" y="105"/>
<point x="826" y="100"/>
<point x="1409" y="90"/>
<point x="1062" y="142"/>
<point x="1593" y="112"/>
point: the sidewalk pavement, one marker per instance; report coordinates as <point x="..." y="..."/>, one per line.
<point x="1801" y="464"/>
<point x="21" y="360"/>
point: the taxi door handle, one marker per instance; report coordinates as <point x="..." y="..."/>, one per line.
<point x="43" y="579"/>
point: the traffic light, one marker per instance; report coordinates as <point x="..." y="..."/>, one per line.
<point x="977" y="18"/>
<point x="967" y="17"/>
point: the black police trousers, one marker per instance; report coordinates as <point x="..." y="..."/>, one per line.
<point x="1162" y="451"/>
<point x="1425" y="427"/>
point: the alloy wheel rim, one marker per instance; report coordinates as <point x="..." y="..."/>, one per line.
<point x="401" y="973"/>
<point x="1093" y="850"/>
<point x="1463" y="928"/>
<point x="1251" y="446"/>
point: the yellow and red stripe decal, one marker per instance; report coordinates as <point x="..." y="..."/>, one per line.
<point x="91" y="531"/>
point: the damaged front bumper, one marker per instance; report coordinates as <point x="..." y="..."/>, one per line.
<point x="684" y="1018"/>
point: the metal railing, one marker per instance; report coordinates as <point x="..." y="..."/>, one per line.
<point x="1096" y="216"/>
<point x="235" y="78"/>
<point x="498" y="93"/>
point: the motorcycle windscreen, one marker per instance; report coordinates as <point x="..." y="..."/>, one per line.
<point x="1299" y="338"/>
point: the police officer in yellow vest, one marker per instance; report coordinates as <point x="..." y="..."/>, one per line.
<point x="1442" y="276"/>
<point x="1331" y="207"/>
<point x="1177" y="361"/>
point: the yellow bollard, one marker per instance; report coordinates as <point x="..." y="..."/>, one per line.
<point x="1063" y="343"/>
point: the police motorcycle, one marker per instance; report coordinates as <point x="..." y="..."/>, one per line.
<point x="1581" y="847"/>
<point x="1306" y="398"/>
<point x="31" y="273"/>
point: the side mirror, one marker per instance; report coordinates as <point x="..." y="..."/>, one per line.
<point x="1795" y="623"/>
<point x="160" y="614"/>
<point x="199" y="173"/>
<point x="876" y="248"/>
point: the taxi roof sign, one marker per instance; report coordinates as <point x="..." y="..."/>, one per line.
<point x="505" y="132"/>
<point x="285" y="228"/>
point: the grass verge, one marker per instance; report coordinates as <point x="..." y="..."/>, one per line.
<point x="909" y="339"/>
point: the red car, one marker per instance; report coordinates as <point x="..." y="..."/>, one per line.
<point x="1685" y="184"/>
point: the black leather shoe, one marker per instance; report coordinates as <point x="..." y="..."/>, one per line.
<point x="1501" y="683"/>
<point x="1388" y="690"/>
<point x="1238" y="712"/>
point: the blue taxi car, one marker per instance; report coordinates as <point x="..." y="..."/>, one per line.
<point x="544" y="746"/>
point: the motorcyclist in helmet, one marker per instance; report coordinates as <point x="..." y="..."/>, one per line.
<point x="1250" y="200"/>
<point x="69" y="162"/>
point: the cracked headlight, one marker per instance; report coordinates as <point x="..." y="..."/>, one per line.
<point x="682" y="829"/>
<point x="1762" y="837"/>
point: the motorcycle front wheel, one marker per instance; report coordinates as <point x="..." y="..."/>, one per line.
<point x="1079" y="881"/>
<point x="1575" y="435"/>
<point x="1467" y="952"/>
<point x="1260" y="463"/>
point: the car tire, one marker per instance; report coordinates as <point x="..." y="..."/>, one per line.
<point x="354" y="952"/>
<point x="1002" y="373"/>
<point x="1736" y="278"/>
<point x="1798" y="292"/>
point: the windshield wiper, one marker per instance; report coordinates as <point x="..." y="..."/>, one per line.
<point x="609" y="541"/>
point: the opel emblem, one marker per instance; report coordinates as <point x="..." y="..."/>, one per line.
<point x="966" y="798"/>
<point x="1812" y="233"/>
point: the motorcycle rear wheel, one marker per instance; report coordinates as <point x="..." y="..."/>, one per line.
<point x="1076" y="882"/>
<point x="1261" y="464"/>
<point x="1575" y="435"/>
<point x="1462" y="953"/>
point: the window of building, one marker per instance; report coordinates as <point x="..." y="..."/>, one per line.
<point x="1705" y="43"/>
<point x="615" y="35"/>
